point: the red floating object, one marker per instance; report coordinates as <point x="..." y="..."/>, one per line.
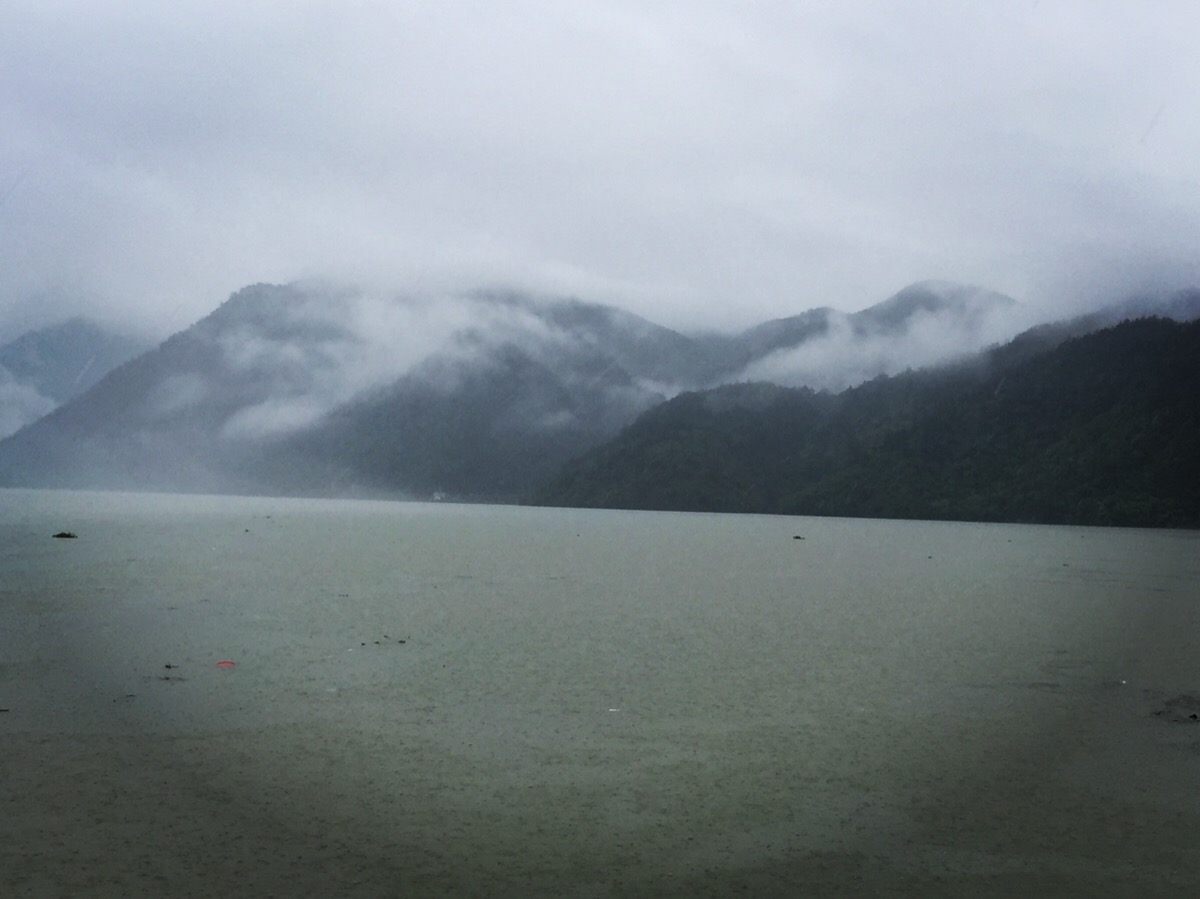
<point x="225" y="663"/>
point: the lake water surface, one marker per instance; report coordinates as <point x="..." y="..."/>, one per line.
<point x="434" y="699"/>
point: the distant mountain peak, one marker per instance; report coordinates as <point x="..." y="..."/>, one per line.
<point x="931" y="297"/>
<point x="43" y="368"/>
<point x="318" y="387"/>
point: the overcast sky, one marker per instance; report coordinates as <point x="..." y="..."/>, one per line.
<point x="703" y="164"/>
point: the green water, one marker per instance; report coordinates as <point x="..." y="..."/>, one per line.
<point x="495" y="700"/>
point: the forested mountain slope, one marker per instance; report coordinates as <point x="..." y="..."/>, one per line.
<point x="1101" y="429"/>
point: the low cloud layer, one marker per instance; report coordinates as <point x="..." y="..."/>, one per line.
<point x="841" y="358"/>
<point x="703" y="165"/>
<point x="848" y="354"/>
<point x="20" y="404"/>
<point x="288" y="356"/>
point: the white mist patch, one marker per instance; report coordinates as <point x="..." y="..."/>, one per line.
<point x="319" y="348"/>
<point x="246" y="352"/>
<point x="20" y="404"/>
<point x="842" y="357"/>
<point x="323" y="350"/>
<point x="174" y="394"/>
<point x="392" y="336"/>
<point x="273" y="418"/>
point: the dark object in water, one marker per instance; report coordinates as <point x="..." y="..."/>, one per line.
<point x="66" y="535"/>
<point x="1182" y="709"/>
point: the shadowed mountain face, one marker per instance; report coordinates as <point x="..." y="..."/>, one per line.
<point x="42" y="369"/>
<point x="1100" y="429"/>
<point x="314" y="389"/>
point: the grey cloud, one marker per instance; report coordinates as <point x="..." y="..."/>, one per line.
<point x="700" y="164"/>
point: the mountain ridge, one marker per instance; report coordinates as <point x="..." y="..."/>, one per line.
<point x="45" y="367"/>
<point x="320" y="389"/>
<point x="1101" y="428"/>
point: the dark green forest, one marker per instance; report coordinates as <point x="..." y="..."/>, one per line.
<point x="1100" y="429"/>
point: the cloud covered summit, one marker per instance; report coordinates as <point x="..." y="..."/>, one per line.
<point x="313" y="387"/>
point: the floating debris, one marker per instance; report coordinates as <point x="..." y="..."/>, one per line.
<point x="387" y="639"/>
<point x="1182" y="709"/>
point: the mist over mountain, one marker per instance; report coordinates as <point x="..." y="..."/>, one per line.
<point x="1064" y="424"/>
<point x="328" y="389"/>
<point x="41" y="369"/>
<point x="924" y="324"/>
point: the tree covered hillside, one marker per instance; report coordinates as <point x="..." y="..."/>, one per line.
<point x="1101" y="429"/>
